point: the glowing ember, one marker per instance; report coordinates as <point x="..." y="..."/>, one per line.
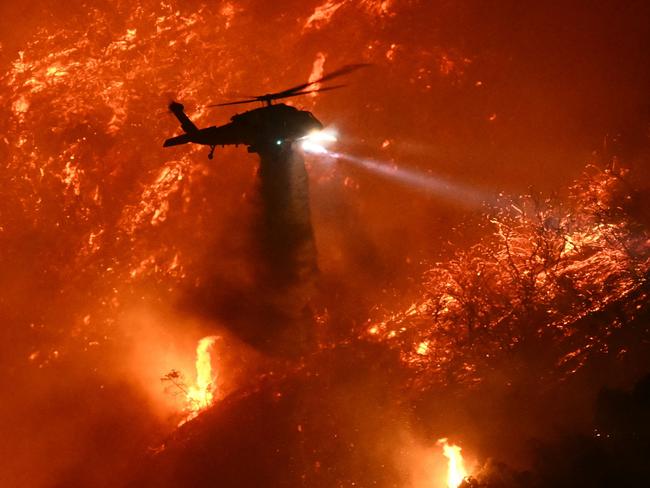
<point x="456" y="471"/>
<point x="200" y="396"/>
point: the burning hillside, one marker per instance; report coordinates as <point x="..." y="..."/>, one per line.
<point x="555" y="283"/>
<point x="397" y="359"/>
<point x="347" y="409"/>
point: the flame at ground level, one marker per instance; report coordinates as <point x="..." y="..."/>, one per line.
<point x="456" y="471"/>
<point x="200" y="395"/>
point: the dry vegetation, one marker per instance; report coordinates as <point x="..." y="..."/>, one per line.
<point x="555" y="283"/>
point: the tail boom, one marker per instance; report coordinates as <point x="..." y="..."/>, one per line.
<point x="178" y="140"/>
<point x="178" y="110"/>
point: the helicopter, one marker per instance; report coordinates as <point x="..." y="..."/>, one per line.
<point x="266" y="128"/>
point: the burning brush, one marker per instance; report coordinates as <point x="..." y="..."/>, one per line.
<point x="200" y="395"/>
<point x="456" y="472"/>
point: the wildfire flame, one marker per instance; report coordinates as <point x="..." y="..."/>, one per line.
<point x="317" y="71"/>
<point x="456" y="471"/>
<point x="200" y="395"/>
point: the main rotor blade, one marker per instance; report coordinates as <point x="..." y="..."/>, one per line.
<point x="299" y="89"/>
<point x="305" y="92"/>
<point x="234" y="95"/>
<point x="273" y="97"/>
<point x="348" y="68"/>
<point x="234" y="103"/>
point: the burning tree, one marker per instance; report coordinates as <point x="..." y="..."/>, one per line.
<point x="540" y="279"/>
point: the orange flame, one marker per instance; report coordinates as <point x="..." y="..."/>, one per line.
<point x="456" y="471"/>
<point x="200" y="395"/>
<point x="317" y="72"/>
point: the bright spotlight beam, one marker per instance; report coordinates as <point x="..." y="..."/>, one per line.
<point x="313" y="147"/>
<point x="460" y="194"/>
<point x="315" y="141"/>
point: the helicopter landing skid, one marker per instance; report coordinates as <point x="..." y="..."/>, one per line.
<point x="211" y="154"/>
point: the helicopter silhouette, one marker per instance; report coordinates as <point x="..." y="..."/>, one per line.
<point x="262" y="129"/>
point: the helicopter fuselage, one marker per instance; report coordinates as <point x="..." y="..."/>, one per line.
<point x="264" y="128"/>
<point x="258" y="128"/>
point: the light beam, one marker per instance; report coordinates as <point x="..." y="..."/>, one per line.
<point x="427" y="182"/>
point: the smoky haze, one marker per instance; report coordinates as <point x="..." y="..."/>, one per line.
<point x="109" y="242"/>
